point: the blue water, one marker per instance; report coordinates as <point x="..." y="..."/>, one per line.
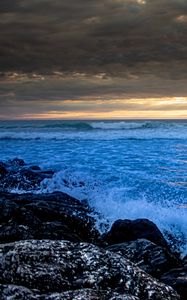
<point x="126" y="169"/>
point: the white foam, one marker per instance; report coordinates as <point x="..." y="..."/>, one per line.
<point x="118" y="125"/>
<point x="111" y="203"/>
<point x="148" y="133"/>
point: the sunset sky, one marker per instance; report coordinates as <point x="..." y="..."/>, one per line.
<point x="90" y="59"/>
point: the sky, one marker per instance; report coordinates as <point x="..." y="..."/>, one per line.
<point x="93" y="59"/>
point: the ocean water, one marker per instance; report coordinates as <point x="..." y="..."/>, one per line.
<point x="125" y="169"/>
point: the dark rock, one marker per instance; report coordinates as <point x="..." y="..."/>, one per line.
<point x="62" y="266"/>
<point x="24" y="179"/>
<point x="22" y="293"/>
<point x="17" y="162"/>
<point x="148" y="256"/>
<point x="35" y="168"/>
<point x="177" y="278"/>
<point x="15" y="174"/>
<point x="45" y="216"/>
<point x="14" y="232"/>
<point x="127" y="230"/>
<point x="15" y="292"/>
<point x="3" y="170"/>
<point x="7" y="208"/>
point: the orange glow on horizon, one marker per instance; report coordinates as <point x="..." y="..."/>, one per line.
<point x="135" y="108"/>
<point x="109" y="115"/>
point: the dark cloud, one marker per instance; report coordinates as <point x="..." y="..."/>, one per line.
<point x="111" y="36"/>
<point x="59" y="50"/>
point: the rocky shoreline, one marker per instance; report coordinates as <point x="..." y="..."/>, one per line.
<point x="50" y="248"/>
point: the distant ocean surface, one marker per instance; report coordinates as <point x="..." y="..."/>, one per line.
<point x="126" y="169"/>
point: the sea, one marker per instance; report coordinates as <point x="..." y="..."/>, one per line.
<point x="125" y="169"/>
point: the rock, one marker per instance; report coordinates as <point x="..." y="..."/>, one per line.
<point x="8" y="208"/>
<point x="17" y="162"/>
<point x="45" y="216"/>
<point x="75" y="269"/>
<point x="3" y="170"/>
<point x="177" y="278"/>
<point x="148" y="256"/>
<point x="16" y="292"/>
<point x="35" y="168"/>
<point x="15" y="174"/>
<point x="24" y="179"/>
<point x="127" y="230"/>
<point x="22" y="293"/>
<point x="85" y="294"/>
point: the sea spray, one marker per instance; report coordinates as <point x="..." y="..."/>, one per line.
<point x="125" y="169"/>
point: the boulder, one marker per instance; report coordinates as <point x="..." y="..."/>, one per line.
<point x="71" y="270"/>
<point x="148" y="256"/>
<point x="45" y="216"/>
<point x="15" y="174"/>
<point x="17" y="162"/>
<point x="128" y="230"/>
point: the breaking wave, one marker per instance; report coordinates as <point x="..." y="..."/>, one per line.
<point x="125" y="169"/>
<point x="93" y="130"/>
<point x="112" y="203"/>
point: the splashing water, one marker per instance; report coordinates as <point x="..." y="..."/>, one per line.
<point x="125" y="169"/>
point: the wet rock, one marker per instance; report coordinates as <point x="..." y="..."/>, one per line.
<point x="64" y="267"/>
<point x="17" y="162"/>
<point x="148" y="256"/>
<point x="45" y="216"/>
<point x="22" y="293"/>
<point x="7" y="208"/>
<point x="177" y="278"/>
<point x="15" y="292"/>
<point x="15" y="174"/>
<point x="127" y="230"/>
<point x="3" y="170"/>
<point x="14" y="232"/>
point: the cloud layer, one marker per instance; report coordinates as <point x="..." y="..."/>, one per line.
<point x="54" y="50"/>
<point x="116" y="37"/>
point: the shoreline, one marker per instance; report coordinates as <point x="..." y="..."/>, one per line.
<point x="32" y="222"/>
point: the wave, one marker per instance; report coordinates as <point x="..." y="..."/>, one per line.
<point x="94" y="136"/>
<point x="70" y="126"/>
<point x="109" y="125"/>
<point x="122" y="125"/>
<point x="112" y="203"/>
<point x="91" y="125"/>
<point x="130" y="125"/>
<point x="93" y="130"/>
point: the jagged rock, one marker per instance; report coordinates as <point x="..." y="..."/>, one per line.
<point x="148" y="256"/>
<point x="63" y="266"/>
<point x="16" y="292"/>
<point x="45" y="216"/>
<point x="22" y="293"/>
<point x="128" y="230"/>
<point x="177" y="278"/>
<point x="16" y="162"/>
<point x="15" y="174"/>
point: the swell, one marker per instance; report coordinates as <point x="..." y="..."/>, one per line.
<point x="93" y="130"/>
<point x="70" y="126"/>
<point x="101" y="135"/>
<point x="92" y="125"/>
